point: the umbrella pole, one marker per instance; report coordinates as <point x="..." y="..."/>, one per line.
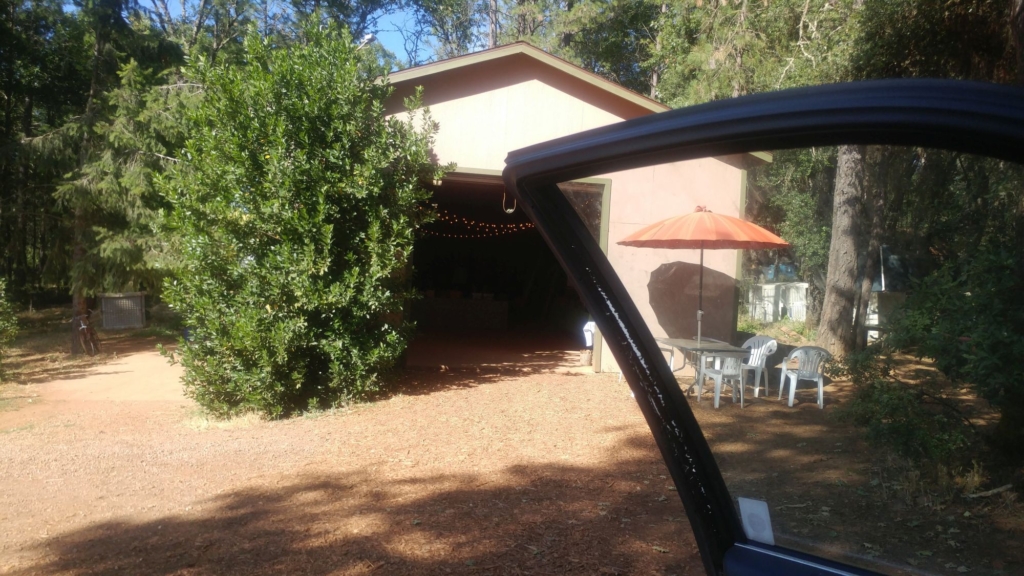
<point x="700" y="293"/>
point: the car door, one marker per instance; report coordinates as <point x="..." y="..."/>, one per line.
<point x="966" y="118"/>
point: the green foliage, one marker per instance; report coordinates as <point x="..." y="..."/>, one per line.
<point x="748" y="325"/>
<point x="44" y="80"/>
<point x="357" y="16"/>
<point x="914" y="420"/>
<point x="714" y="50"/>
<point x="451" y="23"/>
<point x="720" y="49"/>
<point x="212" y="29"/>
<point x="795" y="196"/>
<point x="8" y="324"/>
<point x="969" y="317"/>
<point x="140" y="126"/>
<point x="78" y="206"/>
<point x="786" y="331"/>
<point x="295" y="209"/>
<point x="968" y="39"/>
<point x="612" y="39"/>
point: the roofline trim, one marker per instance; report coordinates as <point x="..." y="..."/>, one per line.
<point x="531" y="51"/>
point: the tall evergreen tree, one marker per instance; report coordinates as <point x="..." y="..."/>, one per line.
<point x="43" y="83"/>
<point x="118" y="32"/>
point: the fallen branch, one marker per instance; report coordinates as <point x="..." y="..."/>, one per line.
<point x="805" y="504"/>
<point x="988" y="493"/>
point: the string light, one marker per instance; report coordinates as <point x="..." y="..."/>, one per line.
<point x="476" y="229"/>
<point x="484" y="235"/>
<point x="449" y="218"/>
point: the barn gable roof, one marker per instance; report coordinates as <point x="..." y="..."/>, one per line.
<point x="521" y="50"/>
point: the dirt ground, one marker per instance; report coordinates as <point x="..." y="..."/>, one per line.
<point x="107" y="468"/>
<point x="112" y="470"/>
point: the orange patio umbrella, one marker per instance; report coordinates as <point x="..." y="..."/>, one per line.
<point x="699" y="230"/>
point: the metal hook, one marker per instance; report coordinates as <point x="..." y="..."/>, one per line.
<point x="514" y="204"/>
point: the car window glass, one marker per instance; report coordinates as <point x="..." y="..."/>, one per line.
<point x="913" y="257"/>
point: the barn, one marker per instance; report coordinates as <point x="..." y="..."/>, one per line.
<point x="492" y="291"/>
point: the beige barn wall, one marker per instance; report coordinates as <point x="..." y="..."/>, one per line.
<point x="480" y="130"/>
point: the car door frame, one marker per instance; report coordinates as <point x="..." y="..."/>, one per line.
<point x="968" y="117"/>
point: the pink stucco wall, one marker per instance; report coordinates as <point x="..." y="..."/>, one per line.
<point x="646" y="195"/>
<point x="486" y="110"/>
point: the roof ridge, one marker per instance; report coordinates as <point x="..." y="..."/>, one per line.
<point x="529" y="50"/>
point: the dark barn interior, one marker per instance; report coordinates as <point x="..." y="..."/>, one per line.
<point x="490" y="286"/>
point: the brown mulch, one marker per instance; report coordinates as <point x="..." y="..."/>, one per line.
<point x="111" y="470"/>
<point x="462" y="473"/>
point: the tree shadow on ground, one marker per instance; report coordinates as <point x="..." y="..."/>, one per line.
<point x="422" y="381"/>
<point x="513" y="351"/>
<point x="39" y="359"/>
<point x="620" y="518"/>
<point x="831" y="493"/>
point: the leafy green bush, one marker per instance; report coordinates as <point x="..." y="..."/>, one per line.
<point x="8" y="324"/>
<point x="294" y="213"/>
<point x="915" y="420"/>
<point x="748" y="325"/>
<point x="969" y="317"/>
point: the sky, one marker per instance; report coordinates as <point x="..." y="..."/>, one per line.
<point x="389" y="38"/>
<point x="386" y="34"/>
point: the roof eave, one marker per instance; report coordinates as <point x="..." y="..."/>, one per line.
<point x="530" y="51"/>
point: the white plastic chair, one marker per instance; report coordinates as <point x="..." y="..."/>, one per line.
<point x="664" y="348"/>
<point x="709" y="360"/>
<point x="729" y="374"/>
<point x="588" y="333"/>
<point x="810" y="366"/>
<point x="761" y="347"/>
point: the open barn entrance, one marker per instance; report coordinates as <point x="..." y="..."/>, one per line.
<point x="493" y="293"/>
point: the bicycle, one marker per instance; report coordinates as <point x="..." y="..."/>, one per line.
<point x="87" y="337"/>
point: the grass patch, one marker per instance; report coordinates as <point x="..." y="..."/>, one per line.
<point x="201" y="420"/>
<point x="9" y="404"/>
<point x="156" y="331"/>
<point x="316" y="413"/>
<point x="42" y="349"/>
<point x="787" y="331"/>
<point x="16" y="429"/>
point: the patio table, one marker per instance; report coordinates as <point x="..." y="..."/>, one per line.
<point x="705" y="349"/>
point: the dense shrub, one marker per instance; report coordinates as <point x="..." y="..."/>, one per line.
<point x="8" y="324"/>
<point x="916" y="420"/>
<point x="295" y="210"/>
<point x="969" y="317"/>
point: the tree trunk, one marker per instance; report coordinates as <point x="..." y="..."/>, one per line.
<point x="567" y="36"/>
<point x="1017" y="36"/>
<point x="815" y="296"/>
<point x="492" y="15"/>
<point x="835" y="332"/>
<point x="874" y="202"/>
<point x="1008" y="435"/>
<point x="657" y="49"/>
<point x="80" y="224"/>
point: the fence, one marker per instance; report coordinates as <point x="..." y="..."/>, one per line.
<point x="126" y="310"/>
<point x="773" y="302"/>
